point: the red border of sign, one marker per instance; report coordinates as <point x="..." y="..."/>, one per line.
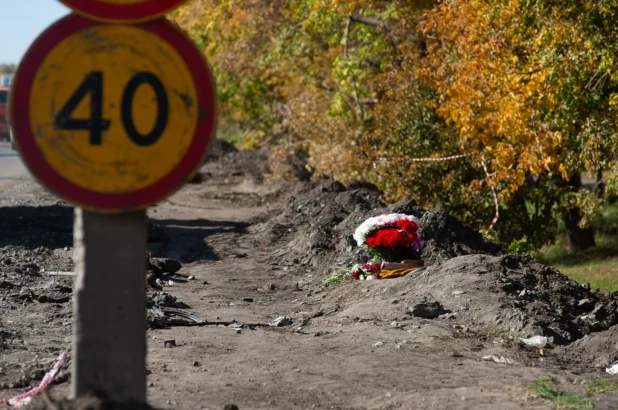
<point x="108" y="202"/>
<point x="132" y="12"/>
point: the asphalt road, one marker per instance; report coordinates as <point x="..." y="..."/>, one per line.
<point x="12" y="169"/>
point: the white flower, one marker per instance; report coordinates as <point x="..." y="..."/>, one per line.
<point x="374" y="223"/>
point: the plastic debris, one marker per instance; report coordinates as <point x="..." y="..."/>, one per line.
<point x="535" y="341"/>
<point x="282" y="321"/>
<point x="497" y="359"/>
<point x="613" y="369"/>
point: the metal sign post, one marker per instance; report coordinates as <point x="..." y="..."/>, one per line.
<point x="113" y="118"/>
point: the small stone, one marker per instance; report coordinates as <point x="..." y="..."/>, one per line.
<point x="585" y="304"/>
<point x="238" y="331"/>
<point x="397" y="346"/>
<point x="231" y="407"/>
<point x="457" y="292"/>
<point x="395" y="324"/>
<point x="426" y="308"/>
<point x="196" y="363"/>
<point x="247" y="299"/>
<point x="169" y="343"/>
<point x="191" y="277"/>
<point x="378" y="344"/>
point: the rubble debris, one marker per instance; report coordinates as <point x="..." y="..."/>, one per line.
<point x="427" y="308"/>
<point x="282" y="321"/>
<point x="498" y="359"/>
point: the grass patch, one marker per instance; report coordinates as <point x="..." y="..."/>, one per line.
<point x="597" y="265"/>
<point x="548" y="391"/>
<point x="598" y="386"/>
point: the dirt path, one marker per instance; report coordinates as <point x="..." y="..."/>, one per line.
<point x="346" y="350"/>
<point x="331" y="363"/>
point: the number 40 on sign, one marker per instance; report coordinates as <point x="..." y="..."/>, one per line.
<point x="113" y="117"/>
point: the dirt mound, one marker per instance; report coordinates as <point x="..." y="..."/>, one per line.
<point x="317" y="225"/>
<point x="595" y="350"/>
<point x="308" y="230"/>
<point x="510" y="294"/>
<point x="471" y="276"/>
<point x="219" y="148"/>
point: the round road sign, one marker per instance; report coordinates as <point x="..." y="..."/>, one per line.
<point x="113" y="117"/>
<point x="125" y="11"/>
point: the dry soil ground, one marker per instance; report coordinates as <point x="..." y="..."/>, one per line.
<point x="353" y="346"/>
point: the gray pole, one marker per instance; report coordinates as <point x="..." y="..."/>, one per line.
<point x="109" y="344"/>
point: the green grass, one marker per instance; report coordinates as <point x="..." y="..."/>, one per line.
<point x="562" y="400"/>
<point x="597" y="265"/>
<point x="601" y="386"/>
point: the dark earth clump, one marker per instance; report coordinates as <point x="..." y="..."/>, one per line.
<point x="427" y="308"/>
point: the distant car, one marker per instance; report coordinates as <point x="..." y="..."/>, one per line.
<point x="4" y="113"/>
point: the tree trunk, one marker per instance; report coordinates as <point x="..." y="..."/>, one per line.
<point x="578" y="238"/>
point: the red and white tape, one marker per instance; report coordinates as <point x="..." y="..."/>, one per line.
<point x="490" y="182"/>
<point x="24" y="399"/>
<point x="452" y="157"/>
<point x="427" y="159"/>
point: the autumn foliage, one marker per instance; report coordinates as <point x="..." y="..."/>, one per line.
<point x="527" y="85"/>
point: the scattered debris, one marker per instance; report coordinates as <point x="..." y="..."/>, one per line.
<point x="282" y="321"/>
<point x="61" y="273"/>
<point x="499" y="359"/>
<point x="26" y="398"/>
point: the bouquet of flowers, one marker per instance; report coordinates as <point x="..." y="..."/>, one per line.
<point x="391" y="237"/>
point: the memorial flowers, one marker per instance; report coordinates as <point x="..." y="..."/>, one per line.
<point x="391" y="239"/>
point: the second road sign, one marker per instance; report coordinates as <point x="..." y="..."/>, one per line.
<point x="125" y="11"/>
<point x="113" y="117"/>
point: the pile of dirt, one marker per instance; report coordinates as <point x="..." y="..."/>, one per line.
<point x="228" y="163"/>
<point x="478" y="283"/>
<point x="306" y="231"/>
<point x="595" y="350"/>
<point x="317" y="225"/>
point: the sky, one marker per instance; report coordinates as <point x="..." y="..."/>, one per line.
<point x="21" y="21"/>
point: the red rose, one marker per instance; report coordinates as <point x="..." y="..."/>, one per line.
<point x="408" y="226"/>
<point x="356" y="274"/>
<point x="389" y="238"/>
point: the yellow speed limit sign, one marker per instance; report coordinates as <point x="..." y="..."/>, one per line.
<point x="113" y="117"/>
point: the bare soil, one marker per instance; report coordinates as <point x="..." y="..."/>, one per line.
<point x="260" y="248"/>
